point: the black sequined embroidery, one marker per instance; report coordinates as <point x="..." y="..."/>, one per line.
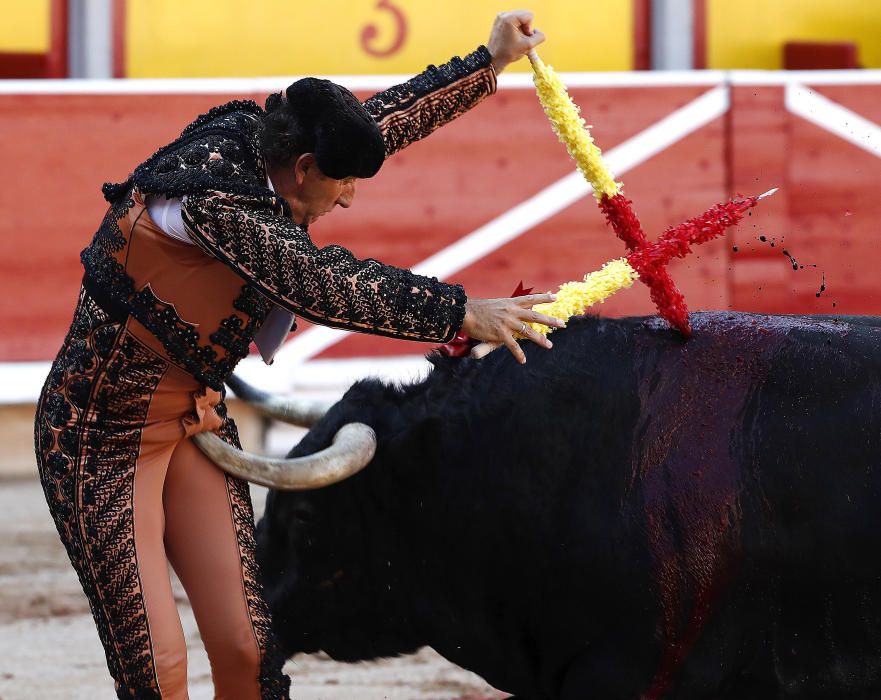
<point x="86" y="463"/>
<point x="179" y="338"/>
<point x="328" y="285"/>
<point x="414" y="109"/>
<point x="273" y="683"/>
<point x="217" y="163"/>
<point x="220" y="151"/>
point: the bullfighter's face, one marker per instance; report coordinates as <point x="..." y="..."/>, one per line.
<point x="310" y="192"/>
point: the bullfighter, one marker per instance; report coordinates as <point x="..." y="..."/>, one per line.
<point x="204" y="248"/>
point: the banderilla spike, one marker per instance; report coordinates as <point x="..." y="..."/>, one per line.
<point x="767" y="194"/>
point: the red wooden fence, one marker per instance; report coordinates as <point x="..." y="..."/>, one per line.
<point x="59" y="148"/>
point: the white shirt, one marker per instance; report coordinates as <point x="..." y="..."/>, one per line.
<point x="272" y="334"/>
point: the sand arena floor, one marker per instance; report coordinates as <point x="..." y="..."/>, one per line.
<point x="49" y="647"/>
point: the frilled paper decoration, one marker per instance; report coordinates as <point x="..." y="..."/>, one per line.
<point x="647" y="260"/>
<point x="574" y="297"/>
<point x="566" y="121"/>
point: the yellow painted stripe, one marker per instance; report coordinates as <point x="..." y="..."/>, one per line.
<point x="25" y="26"/>
<point x="751" y="33"/>
<point x="212" y="38"/>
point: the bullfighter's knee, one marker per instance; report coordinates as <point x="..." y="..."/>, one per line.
<point x="235" y="668"/>
<point x="171" y="672"/>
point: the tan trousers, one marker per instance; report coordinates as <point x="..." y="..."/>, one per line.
<point x="130" y="493"/>
<point x="183" y="512"/>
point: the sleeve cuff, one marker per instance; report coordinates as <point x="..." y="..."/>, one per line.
<point x="457" y="312"/>
<point x="484" y="59"/>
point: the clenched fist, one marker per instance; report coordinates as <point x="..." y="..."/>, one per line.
<point x="512" y="37"/>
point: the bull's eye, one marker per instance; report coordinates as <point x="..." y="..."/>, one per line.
<point x="304" y="515"/>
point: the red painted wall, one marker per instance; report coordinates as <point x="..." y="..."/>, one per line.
<point x="57" y="150"/>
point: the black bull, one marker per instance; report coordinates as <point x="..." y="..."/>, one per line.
<point x="626" y="516"/>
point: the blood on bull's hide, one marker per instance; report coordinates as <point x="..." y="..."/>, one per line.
<point x="628" y="515"/>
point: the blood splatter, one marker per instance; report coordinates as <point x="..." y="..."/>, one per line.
<point x="795" y="264"/>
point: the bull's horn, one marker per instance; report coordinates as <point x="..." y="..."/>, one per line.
<point x="296" y="411"/>
<point x="351" y="450"/>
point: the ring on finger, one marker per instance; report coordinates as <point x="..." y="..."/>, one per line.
<point x="523" y="328"/>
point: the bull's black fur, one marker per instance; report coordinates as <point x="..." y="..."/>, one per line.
<point x="629" y="515"/>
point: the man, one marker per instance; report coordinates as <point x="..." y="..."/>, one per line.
<point x="203" y="246"/>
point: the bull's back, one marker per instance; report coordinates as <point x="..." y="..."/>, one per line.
<point x="713" y="517"/>
<point x="759" y="464"/>
<point x="785" y="410"/>
<point x="814" y="543"/>
<point x="634" y="515"/>
<point x="728" y="486"/>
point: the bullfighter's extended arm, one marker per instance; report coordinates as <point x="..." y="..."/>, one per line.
<point x="325" y="285"/>
<point x="414" y="109"/>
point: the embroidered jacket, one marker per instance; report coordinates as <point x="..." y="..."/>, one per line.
<point x="218" y="166"/>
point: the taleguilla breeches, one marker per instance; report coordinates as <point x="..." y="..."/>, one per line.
<point x="130" y="493"/>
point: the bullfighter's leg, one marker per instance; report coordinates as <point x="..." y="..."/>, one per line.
<point x="166" y="637"/>
<point x="143" y="640"/>
<point x="210" y="543"/>
<point x="102" y="473"/>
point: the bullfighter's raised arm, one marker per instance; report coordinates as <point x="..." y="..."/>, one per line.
<point x="414" y="109"/>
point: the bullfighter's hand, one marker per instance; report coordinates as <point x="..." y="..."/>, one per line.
<point x="499" y="320"/>
<point x="512" y="37"/>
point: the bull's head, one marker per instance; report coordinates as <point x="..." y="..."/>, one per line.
<point x="351" y="449"/>
<point x="311" y="545"/>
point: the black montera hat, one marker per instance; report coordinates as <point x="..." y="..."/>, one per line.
<point x="347" y="140"/>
